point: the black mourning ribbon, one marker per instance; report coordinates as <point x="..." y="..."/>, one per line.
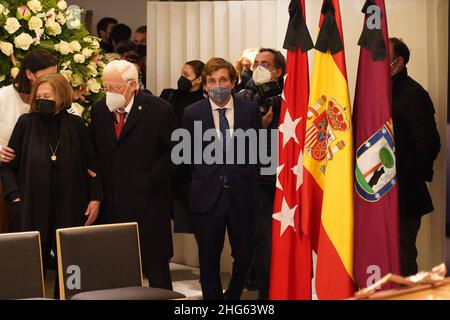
<point x="297" y="34"/>
<point x="329" y="37"/>
<point x="372" y="39"/>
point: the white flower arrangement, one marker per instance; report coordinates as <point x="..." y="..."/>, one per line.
<point x="54" y="26"/>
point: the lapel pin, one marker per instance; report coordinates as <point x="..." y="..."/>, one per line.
<point x="140" y="108"/>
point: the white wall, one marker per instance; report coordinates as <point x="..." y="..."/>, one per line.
<point x="130" y="12"/>
<point x="199" y="30"/>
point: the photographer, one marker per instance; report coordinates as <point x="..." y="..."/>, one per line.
<point x="266" y="88"/>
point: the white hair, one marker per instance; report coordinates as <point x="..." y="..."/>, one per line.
<point x="127" y="70"/>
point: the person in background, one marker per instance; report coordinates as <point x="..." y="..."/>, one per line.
<point x="417" y="145"/>
<point x="265" y="88"/>
<point x="140" y="38"/>
<point x="104" y="28"/>
<point x="132" y="137"/>
<point x="15" y="101"/>
<point x="189" y="90"/>
<point x="120" y="32"/>
<point x="53" y="181"/>
<point x="244" y="67"/>
<point x="140" y="35"/>
<point x="128" y="50"/>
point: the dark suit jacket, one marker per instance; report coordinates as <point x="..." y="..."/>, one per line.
<point x="417" y="144"/>
<point x="136" y="170"/>
<point x="206" y="178"/>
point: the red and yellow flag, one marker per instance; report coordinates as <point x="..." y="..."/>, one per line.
<point x="329" y="162"/>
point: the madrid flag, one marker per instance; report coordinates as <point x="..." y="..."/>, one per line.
<point x="328" y="161"/>
<point x="376" y="250"/>
<point x="291" y="264"/>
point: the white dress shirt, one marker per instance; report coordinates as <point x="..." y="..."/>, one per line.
<point x="127" y="110"/>
<point x="229" y="114"/>
<point x="11" y="108"/>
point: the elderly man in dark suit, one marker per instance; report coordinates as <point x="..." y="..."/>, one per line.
<point x="131" y="133"/>
<point x="417" y="145"/>
<point x="223" y="196"/>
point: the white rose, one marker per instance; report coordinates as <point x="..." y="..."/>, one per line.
<point x="35" y="23"/>
<point x="12" y="25"/>
<point x="87" y="39"/>
<point x="67" y="74"/>
<point x="53" y="27"/>
<point x="79" y="58"/>
<point x="2" y="76"/>
<point x="93" y="86"/>
<point x="92" y="70"/>
<point x="35" y="6"/>
<point x="51" y="14"/>
<point x="76" y="109"/>
<point x="87" y="53"/>
<point x="95" y="44"/>
<point x="14" y="72"/>
<point x="62" y="5"/>
<point x="65" y="65"/>
<point x="76" y="80"/>
<point x="75" y="46"/>
<point x="61" y="19"/>
<point x="74" y="23"/>
<point x="23" y="41"/>
<point x="63" y="47"/>
<point x="6" y="47"/>
<point x="2" y="9"/>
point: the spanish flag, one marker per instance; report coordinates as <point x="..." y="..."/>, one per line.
<point x="329" y="162"/>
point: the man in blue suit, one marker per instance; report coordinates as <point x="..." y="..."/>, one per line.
<point x="224" y="193"/>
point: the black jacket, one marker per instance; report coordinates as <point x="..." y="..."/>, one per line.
<point x="29" y="175"/>
<point x="417" y="144"/>
<point x="181" y="100"/>
<point x="136" y="170"/>
<point x="206" y="178"/>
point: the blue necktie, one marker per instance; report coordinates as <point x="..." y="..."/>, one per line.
<point x="224" y="126"/>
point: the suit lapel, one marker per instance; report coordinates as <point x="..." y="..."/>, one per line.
<point x="136" y="112"/>
<point x="208" y="122"/>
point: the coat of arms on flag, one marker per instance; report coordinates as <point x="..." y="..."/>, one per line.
<point x="324" y="118"/>
<point x="375" y="165"/>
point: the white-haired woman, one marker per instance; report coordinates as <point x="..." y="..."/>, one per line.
<point x="131" y="132"/>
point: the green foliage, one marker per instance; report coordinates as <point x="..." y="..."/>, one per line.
<point x="80" y="58"/>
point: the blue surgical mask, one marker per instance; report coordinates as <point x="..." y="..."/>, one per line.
<point x="219" y="94"/>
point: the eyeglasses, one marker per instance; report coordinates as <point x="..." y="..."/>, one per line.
<point x="264" y="65"/>
<point x="114" y="88"/>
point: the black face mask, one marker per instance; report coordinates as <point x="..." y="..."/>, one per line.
<point x="246" y="75"/>
<point x="142" y="50"/>
<point x="184" y="84"/>
<point x="46" y="107"/>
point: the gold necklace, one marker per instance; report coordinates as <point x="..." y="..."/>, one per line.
<point x="54" y="157"/>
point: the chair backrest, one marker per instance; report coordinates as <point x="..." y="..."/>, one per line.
<point x="98" y="258"/>
<point x="21" y="274"/>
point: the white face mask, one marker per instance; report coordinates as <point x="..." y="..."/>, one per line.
<point x="261" y="75"/>
<point x="115" y="101"/>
